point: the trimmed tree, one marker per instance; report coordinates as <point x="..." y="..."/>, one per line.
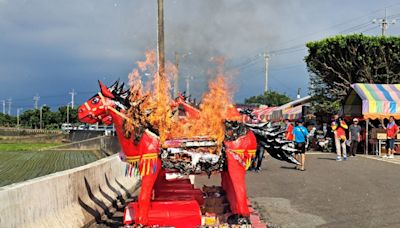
<point x="270" y="98"/>
<point x="337" y="62"/>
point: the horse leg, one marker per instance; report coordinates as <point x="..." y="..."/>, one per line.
<point x="145" y="195"/>
<point x="237" y="192"/>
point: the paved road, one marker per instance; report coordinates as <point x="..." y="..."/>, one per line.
<point x="360" y="192"/>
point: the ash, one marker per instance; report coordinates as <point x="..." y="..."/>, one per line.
<point x="193" y="157"/>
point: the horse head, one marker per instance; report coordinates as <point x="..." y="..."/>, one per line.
<point x="96" y="109"/>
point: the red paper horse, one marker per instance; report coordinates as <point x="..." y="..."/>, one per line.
<point x="110" y="105"/>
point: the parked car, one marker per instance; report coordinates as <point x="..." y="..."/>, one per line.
<point x="66" y="127"/>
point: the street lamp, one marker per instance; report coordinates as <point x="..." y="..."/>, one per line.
<point x="41" y="116"/>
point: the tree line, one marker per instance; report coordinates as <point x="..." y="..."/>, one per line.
<point x="31" y="118"/>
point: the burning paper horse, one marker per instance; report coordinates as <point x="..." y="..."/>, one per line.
<point x="143" y="151"/>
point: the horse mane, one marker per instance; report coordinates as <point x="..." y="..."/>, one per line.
<point x="120" y="95"/>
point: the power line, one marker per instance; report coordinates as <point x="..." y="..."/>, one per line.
<point x="369" y="29"/>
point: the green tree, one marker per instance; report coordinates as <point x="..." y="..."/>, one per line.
<point x="7" y="120"/>
<point x="270" y="98"/>
<point x="73" y="114"/>
<point x="337" y="62"/>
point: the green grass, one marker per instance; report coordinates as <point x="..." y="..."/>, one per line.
<point x="25" y="146"/>
<point x="18" y="166"/>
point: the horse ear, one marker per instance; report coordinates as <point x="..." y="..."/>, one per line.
<point x="104" y="90"/>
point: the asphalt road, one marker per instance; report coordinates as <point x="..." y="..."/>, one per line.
<point x="360" y="192"/>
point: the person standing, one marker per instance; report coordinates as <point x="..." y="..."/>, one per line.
<point x="354" y="137"/>
<point x="339" y="130"/>
<point x="289" y="130"/>
<point x="300" y="136"/>
<point x="257" y="160"/>
<point x="391" y="133"/>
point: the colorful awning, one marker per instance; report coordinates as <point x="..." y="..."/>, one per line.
<point x="379" y="100"/>
<point x="293" y="113"/>
<point x="263" y="114"/>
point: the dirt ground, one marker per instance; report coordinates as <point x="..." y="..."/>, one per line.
<point x="360" y="192"/>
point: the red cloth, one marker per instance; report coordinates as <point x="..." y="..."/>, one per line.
<point x="391" y="131"/>
<point x="289" y="132"/>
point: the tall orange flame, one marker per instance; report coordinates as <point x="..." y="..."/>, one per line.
<point x="152" y="106"/>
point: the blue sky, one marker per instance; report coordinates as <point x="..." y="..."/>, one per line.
<point x="49" y="47"/>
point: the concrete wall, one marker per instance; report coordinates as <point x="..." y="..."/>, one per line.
<point x="79" y="135"/>
<point x="71" y="198"/>
<point x="107" y="144"/>
<point x="11" y="131"/>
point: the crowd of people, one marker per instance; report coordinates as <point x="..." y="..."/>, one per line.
<point x="345" y="138"/>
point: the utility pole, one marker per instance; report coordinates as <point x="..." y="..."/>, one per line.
<point x="187" y="86"/>
<point x="188" y="78"/>
<point x="18" y="112"/>
<point x="9" y="106"/>
<point x="68" y="113"/>
<point x="176" y="82"/>
<point x="384" y="23"/>
<point x="266" y="59"/>
<point x="4" y="106"/>
<point x="160" y="39"/>
<point x="41" y="116"/>
<point x="72" y="97"/>
<point x="36" y="100"/>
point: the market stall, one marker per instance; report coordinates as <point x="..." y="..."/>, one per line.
<point x="293" y="109"/>
<point x="263" y="114"/>
<point x="293" y="113"/>
<point x="372" y="101"/>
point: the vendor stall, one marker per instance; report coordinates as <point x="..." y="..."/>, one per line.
<point x="264" y="114"/>
<point x="292" y="110"/>
<point x="372" y="101"/>
<point x="293" y="113"/>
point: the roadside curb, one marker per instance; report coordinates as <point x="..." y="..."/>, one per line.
<point x="374" y="157"/>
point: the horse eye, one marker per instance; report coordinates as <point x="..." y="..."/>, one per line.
<point x="95" y="100"/>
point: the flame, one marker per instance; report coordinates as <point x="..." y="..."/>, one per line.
<point x="150" y="107"/>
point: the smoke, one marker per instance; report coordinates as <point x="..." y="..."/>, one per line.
<point x="234" y="29"/>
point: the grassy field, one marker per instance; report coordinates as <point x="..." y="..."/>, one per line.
<point x="20" y="162"/>
<point x="25" y="146"/>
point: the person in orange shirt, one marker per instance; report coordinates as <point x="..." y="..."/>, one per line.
<point x="339" y="129"/>
<point x="289" y="130"/>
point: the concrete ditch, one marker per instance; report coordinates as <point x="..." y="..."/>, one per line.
<point x="70" y="198"/>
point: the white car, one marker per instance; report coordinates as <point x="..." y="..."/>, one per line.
<point x="66" y="127"/>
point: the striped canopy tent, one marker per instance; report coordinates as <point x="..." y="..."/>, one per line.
<point x="263" y="114"/>
<point x="293" y="113"/>
<point x="373" y="101"/>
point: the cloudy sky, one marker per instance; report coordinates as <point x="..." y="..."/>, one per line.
<point x="49" y="47"/>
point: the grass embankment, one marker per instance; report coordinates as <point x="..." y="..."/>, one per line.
<point x="25" y="146"/>
<point x="23" y="161"/>
<point x="17" y="166"/>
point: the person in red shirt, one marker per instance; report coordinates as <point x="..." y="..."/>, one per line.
<point x="391" y="133"/>
<point x="289" y="130"/>
<point x="339" y="127"/>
